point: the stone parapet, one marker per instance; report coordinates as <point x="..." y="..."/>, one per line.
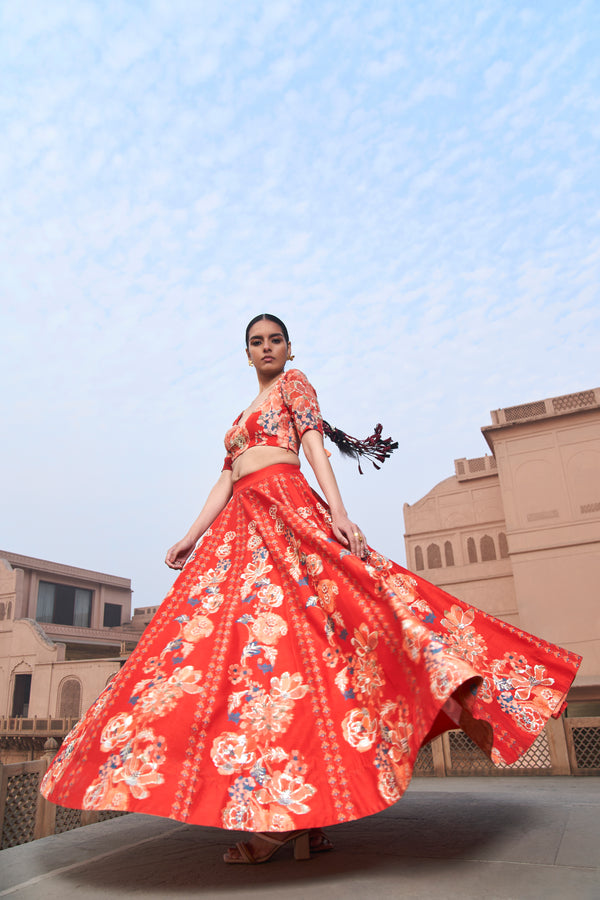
<point x="543" y="409"/>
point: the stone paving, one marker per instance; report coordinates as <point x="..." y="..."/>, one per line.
<point x="503" y="838"/>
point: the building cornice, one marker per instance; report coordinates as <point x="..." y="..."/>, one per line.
<point x="44" y="565"/>
<point x="538" y="410"/>
<point x="85" y="635"/>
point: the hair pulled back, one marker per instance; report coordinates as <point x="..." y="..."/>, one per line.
<point x="269" y="318"/>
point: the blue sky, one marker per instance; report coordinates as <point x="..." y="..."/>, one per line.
<point x="412" y="186"/>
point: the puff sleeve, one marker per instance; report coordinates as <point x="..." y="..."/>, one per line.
<point x="300" y="398"/>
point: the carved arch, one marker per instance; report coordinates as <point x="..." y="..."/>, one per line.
<point x="434" y="557"/>
<point x="69" y="698"/>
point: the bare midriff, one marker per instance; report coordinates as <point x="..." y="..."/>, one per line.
<point x="255" y="458"/>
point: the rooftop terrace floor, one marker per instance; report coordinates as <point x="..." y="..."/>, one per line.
<point x="495" y="838"/>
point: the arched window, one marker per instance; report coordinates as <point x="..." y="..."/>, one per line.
<point x="488" y="548"/>
<point x="419" y="564"/>
<point x="434" y="557"/>
<point x="471" y="550"/>
<point x="503" y="544"/>
<point x="449" y="553"/>
<point x="69" y="699"/>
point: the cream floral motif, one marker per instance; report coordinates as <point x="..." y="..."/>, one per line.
<point x="387" y="778"/>
<point x="314" y="564"/>
<point x="264" y="793"/>
<point x="161" y="695"/>
<point x="136" y="753"/>
<point x="397" y="730"/>
<point x="230" y="753"/>
<point x="211" y="578"/>
<point x="463" y="638"/>
<point x="132" y="769"/>
<point x="292" y="556"/>
<point x="415" y="638"/>
<point x="360" y="730"/>
<point x="116" y="732"/>
<point x="268" y="628"/>
<point x="256" y="571"/>
<point x="286" y="790"/>
<point x="199" y="626"/>
<point x="271" y="595"/>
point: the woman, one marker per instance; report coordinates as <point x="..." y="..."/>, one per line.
<point x="292" y="674"/>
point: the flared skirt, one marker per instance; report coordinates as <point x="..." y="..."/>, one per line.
<point x="285" y="683"/>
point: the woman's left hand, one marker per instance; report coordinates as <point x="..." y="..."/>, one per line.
<point x="350" y="535"/>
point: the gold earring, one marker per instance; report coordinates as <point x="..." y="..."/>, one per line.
<point x="291" y="356"/>
<point x="250" y="363"/>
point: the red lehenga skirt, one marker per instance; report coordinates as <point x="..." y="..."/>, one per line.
<point x="284" y="683"/>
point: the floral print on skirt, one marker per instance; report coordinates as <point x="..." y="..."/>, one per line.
<point x="284" y="683"/>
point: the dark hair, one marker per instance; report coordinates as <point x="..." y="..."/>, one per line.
<point x="269" y="318"/>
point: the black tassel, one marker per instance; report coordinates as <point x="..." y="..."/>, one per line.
<point x="375" y="448"/>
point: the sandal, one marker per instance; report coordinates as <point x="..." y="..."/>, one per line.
<point x="319" y="842"/>
<point x="247" y="856"/>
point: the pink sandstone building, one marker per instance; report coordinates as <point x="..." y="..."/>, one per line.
<point x="517" y="533"/>
<point x="64" y="633"/>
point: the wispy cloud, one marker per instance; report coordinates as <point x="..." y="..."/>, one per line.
<point x="414" y="189"/>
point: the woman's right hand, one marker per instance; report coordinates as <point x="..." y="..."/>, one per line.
<point x="350" y="535"/>
<point x="179" y="552"/>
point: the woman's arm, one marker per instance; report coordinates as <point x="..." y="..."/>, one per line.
<point x="217" y="500"/>
<point x="345" y="531"/>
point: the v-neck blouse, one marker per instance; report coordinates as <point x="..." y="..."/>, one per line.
<point x="288" y="410"/>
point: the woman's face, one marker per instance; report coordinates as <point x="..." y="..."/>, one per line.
<point x="267" y="347"/>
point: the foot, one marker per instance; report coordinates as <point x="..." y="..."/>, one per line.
<point x="257" y="849"/>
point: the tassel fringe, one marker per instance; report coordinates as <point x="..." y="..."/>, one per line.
<point x="375" y="448"/>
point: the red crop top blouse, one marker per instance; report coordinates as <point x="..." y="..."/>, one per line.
<point x="288" y="410"/>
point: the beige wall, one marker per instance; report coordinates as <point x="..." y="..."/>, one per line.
<point x="541" y="489"/>
<point x="25" y="650"/>
<point x="462" y="509"/>
<point x="549" y="469"/>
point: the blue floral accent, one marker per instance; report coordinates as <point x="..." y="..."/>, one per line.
<point x="241" y="787"/>
<point x="259" y="773"/>
<point x="265" y="667"/>
<point x="174" y="645"/>
<point x="269" y="421"/>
